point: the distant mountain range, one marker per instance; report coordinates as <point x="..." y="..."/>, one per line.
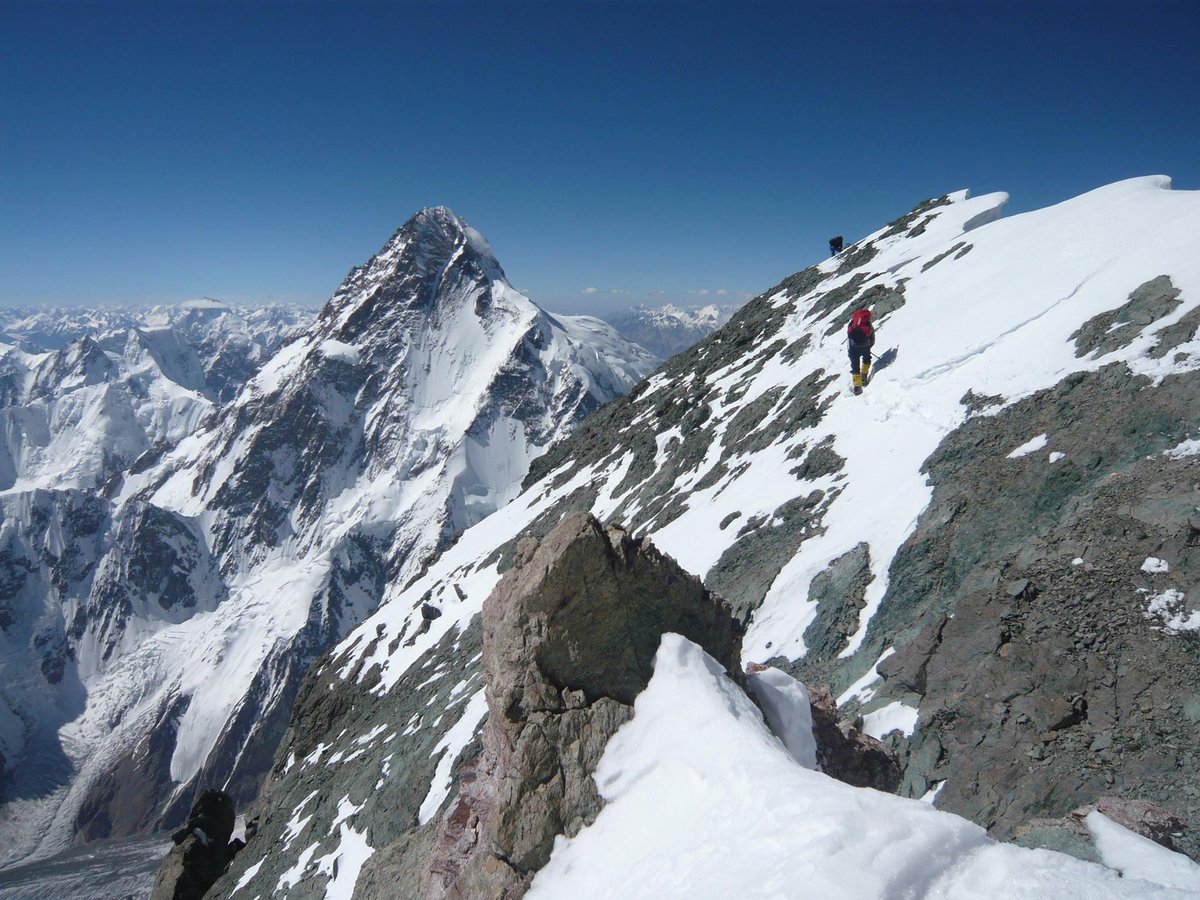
<point x="229" y="341"/>
<point x="667" y="330"/>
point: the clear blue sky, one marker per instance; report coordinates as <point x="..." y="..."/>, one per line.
<point x="162" y="151"/>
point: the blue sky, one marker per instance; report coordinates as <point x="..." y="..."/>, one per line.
<point x="613" y="153"/>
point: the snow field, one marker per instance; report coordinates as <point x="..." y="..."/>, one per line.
<point x="704" y="802"/>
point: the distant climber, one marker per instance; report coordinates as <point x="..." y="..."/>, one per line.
<point x="835" y="245"/>
<point x="860" y="335"/>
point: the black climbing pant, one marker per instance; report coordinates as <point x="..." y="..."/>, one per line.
<point x="859" y="355"/>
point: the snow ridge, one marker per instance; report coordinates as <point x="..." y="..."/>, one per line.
<point x="755" y="426"/>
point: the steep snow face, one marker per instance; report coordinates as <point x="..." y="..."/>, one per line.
<point x="748" y="459"/>
<point x="409" y="410"/>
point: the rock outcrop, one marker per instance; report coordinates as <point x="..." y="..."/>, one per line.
<point x="202" y="850"/>
<point x="1028" y="624"/>
<point x="569" y="640"/>
<point x="845" y="753"/>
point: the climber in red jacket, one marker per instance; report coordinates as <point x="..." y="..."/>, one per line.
<point x="860" y="335"/>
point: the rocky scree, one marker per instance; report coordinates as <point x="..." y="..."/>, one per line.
<point x="1019" y="610"/>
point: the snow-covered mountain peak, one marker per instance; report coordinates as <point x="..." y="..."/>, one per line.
<point x="433" y="265"/>
<point x="408" y="410"/>
<point x="442" y="222"/>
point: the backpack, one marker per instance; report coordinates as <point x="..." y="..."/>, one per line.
<point x="860" y="322"/>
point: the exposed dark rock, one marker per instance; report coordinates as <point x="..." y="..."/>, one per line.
<point x="1117" y="328"/>
<point x="1181" y="332"/>
<point x="913" y="222"/>
<point x="1019" y="612"/>
<point x="857" y="255"/>
<point x="202" y="850"/>
<point x="880" y="299"/>
<point x="820" y="460"/>
<point x="569" y="640"/>
<point x="838" y="298"/>
<point x="745" y="571"/>
<point x="979" y="402"/>
<point x="839" y="592"/>
<point x="937" y="259"/>
<point x="845" y="753"/>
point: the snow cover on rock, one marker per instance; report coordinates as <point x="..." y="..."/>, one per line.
<point x="1137" y="857"/>
<point x="1184" y="449"/>
<point x="1171" y="609"/>
<point x="409" y="410"/>
<point x="1002" y="325"/>
<point x="703" y="801"/>
<point x="990" y="306"/>
<point x="1030" y="446"/>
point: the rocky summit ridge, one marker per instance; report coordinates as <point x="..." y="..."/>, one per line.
<point x="166" y="616"/>
<point x="987" y="557"/>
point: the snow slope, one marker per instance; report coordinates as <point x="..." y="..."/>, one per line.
<point x="752" y="440"/>
<point x="998" y="326"/>
<point x="704" y="801"/>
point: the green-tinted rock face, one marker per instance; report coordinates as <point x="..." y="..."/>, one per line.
<point x="1019" y="609"/>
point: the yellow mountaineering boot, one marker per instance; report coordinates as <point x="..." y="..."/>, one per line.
<point x="866" y="370"/>
<point x="858" y="383"/>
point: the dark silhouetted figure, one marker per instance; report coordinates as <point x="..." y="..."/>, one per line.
<point x="835" y="245"/>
